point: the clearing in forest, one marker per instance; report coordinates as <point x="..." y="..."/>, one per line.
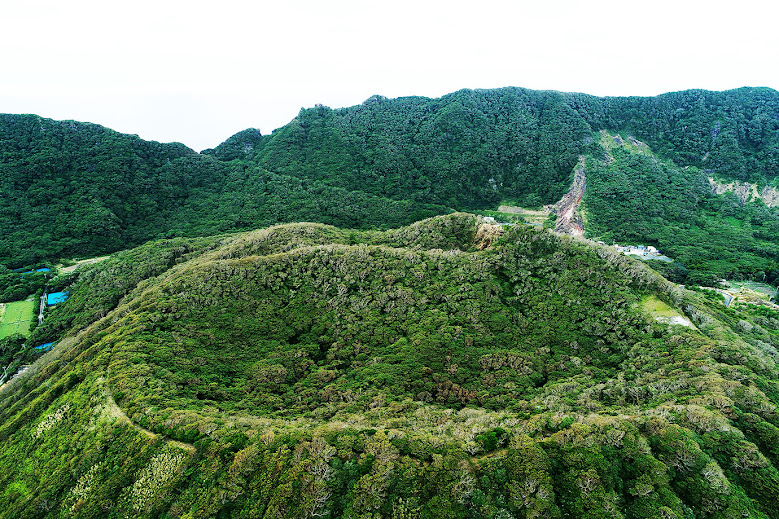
<point x="528" y="215"/>
<point x="88" y="261"/>
<point x="16" y="318"/>
<point x="751" y="289"/>
<point x="663" y="312"/>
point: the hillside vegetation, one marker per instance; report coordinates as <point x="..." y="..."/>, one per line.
<point x="634" y="197"/>
<point x="71" y="189"/>
<point x="449" y="368"/>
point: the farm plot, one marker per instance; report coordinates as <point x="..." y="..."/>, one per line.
<point x="15" y="317"/>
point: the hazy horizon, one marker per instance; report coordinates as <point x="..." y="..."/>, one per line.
<point x="196" y="74"/>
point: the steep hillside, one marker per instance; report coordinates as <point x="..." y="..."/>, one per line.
<point x="477" y="149"/>
<point x="746" y="192"/>
<point x="467" y="149"/>
<point x="473" y="148"/>
<point x="633" y="196"/>
<point x="446" y="369"/>
<point x="733" y="133"/>
<point x="72" y="189"/>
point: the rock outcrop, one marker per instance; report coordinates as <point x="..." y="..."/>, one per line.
<point x="746" y="192"/>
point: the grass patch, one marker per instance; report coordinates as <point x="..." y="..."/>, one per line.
<point x="73" y="265"/>
<point x="657" y="308"/>
<point x="526" y="215"/>
<point x="733" y="222"/>
<point x="664" y="313"/>
<point x="16" y="318"/>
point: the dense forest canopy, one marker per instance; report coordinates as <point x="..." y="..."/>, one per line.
<point x="477" y="147"/>
<point x="73" y="189"/>
<point x="632" y="196"/>
<point x="447" y="369"/>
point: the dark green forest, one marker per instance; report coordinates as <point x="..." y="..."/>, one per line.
<point x="634" y="197"/>
<point x="446" y="369"/>
<point x="78" y="190"/>
<point x="75" y="190"/>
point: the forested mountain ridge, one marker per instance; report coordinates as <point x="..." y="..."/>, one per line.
<point x="72" y="189"/>
<point x="475" y="147"/>
<point x="77" y="189"/>
<point x="450" y="368"/>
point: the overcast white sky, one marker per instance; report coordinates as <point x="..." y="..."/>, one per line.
<point x="197" y="72"/>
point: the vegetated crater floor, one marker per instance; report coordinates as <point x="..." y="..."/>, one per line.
<point x="303" y="370"/>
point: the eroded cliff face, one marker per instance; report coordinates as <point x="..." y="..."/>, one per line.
<point x="746" y="192"/>
<point x="569" y="218"/>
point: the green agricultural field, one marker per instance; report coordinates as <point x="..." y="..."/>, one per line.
<point x="16" y="317"/>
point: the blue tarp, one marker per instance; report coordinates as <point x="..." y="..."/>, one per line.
<point x="45" y="347"/>
<point x="56" y="297"/>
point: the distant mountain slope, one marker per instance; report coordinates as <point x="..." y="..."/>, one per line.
<point x="448" y="369"/>
<point x="75" y="189"/>
<point x="72" y="189"/>
<point x="633" y="196"/>
<point x="474" y="148"/>
<point x="466" y="149"/>
<point x="478" y="148"/>
<point x="734" y="133"/>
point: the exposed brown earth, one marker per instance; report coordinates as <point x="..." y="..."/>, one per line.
<point x="569" y="219"/>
